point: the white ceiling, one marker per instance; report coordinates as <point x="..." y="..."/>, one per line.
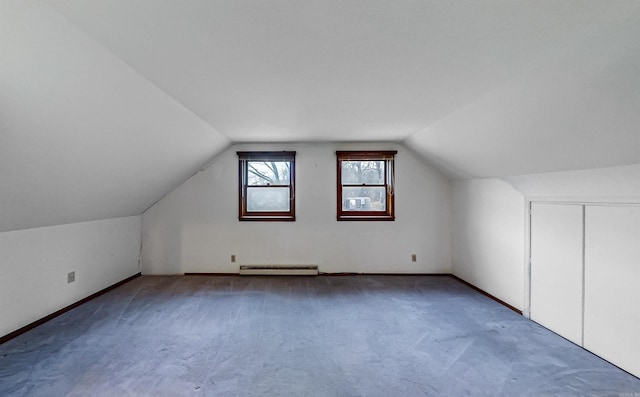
<point x="107" y="105"/>
<point x="82" y="135"/>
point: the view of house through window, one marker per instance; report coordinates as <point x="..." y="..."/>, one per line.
<point x="267" y="185"/>
<point x="365" y="185"/>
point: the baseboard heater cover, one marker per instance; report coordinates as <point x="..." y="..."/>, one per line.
<point x="282" y="270"/>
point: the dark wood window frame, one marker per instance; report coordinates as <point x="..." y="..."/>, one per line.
<point x="388" y="156"/>
<point x="243" y="176"/>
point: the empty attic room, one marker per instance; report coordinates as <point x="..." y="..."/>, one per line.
<point x="319" y="198"/>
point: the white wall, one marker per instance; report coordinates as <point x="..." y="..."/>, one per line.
<point x="488" y="237"/>
<point x="35" y="263"/>
<point x="196" y="229"/>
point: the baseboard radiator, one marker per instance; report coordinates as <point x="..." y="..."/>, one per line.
<point x="279" y="270"/>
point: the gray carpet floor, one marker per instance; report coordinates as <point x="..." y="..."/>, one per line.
<point x="300" y="336"/>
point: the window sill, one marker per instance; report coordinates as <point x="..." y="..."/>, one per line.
<point x="365" y="218"/>
<point x="268" y="218"/>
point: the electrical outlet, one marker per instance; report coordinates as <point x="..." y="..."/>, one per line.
<point x="414" y="257"/>
<point x="233" y="258"/>
<point x="71" y="277"/>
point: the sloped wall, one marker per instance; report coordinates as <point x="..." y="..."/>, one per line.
<point x="196" y="229"/>
<point x="84" y="136"/>
<point x="35" y="263"/>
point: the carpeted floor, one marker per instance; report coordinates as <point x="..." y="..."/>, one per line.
<point x="300" y="336"/>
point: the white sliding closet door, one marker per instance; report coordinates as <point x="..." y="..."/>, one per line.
<point x="612" y="285"/>
<point x="557" y="268"/>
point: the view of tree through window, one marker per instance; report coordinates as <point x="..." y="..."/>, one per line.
<point x="266" y="185"/>
<point x="365" y="185"/>
<point x="272" y="174"/>
<point x="369" y="194"/>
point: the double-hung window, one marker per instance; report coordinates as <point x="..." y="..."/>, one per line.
<point x="267" y="186"/>
<point x="365" y="185"/>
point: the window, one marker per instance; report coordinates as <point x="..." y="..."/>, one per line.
<point x="365" y="185"/>
<point x="267" y="186"/>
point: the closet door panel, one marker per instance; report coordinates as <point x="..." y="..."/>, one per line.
<point x="556" y="268"/>
<point x="612" y="284"/>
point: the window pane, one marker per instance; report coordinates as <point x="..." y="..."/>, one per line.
<point x="268" y="173"/>
<point x="268" y="199"/>
<point x="364" y="198"/>
<point x="359" y="172"/>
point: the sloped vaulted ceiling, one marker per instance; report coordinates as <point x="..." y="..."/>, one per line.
<point x="82" y="135"/>
<point x="577" y="106"/>
<point x="487" y="88"/>
<point x="107" y="105"/>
